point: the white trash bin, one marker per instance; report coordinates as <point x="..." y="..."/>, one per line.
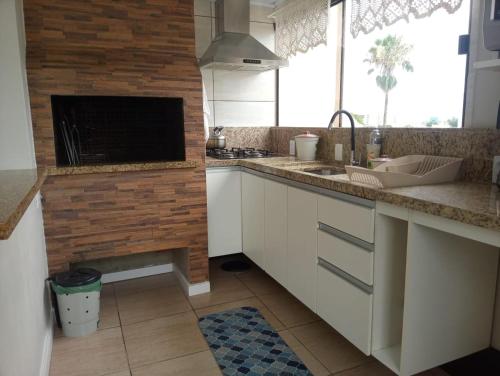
<point x="78" y="299"/>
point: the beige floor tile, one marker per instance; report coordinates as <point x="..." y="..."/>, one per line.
<point x="151" y="304"/>
<point x="313" y="364"/>
<point x="163" y="338"/>
<point x="122" y="373"/>
<point x="329" y="347"/>
<point x="98" y="354"/>
<point x="250" y="302"/>
<point x="222" y="290"/>
<point x="202" y="363"/>
<point x="147" y="283"/>
<point x="372" y="368"/>
<point x="260" y="283"/>
<point x="109" y="310"/>
<point x="288" y="310"/>
<point x="375" y="368"/>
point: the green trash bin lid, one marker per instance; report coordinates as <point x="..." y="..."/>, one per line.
<point x="77" y="278"/>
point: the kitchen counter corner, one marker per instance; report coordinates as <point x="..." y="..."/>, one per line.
<point x="17" y="190"/>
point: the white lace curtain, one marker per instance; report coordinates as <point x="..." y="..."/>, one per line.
<point x="369" y="14"/>
<point x="300" y="25"/>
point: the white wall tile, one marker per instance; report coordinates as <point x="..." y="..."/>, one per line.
<point x="202" y="7"/>
<point x="259" y="13"/>
<point x="245" y="114"/>
<point x="264" y="33"/>
<point x="208" y="80"/>
<point x="211" y="118"/>
<point x="244" y="86"/>
<point x="237" y="98"/>
<point x="203" y="32"/>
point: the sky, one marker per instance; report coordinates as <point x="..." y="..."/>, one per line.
<point x="434" y="89"/>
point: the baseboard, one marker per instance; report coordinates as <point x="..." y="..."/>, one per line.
<point x="191" y="289"/>
<point x="47" y="352"/>
<point x="136" y="273"/>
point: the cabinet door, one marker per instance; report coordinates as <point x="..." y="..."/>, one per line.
<point x="346" y="307"/>
<point x="252" y="206"/>
<point x="302" y="245"/>
<point x="224" y="212"/>
<point x="276" y="230"/>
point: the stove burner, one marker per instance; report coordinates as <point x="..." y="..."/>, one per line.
<point x="238" y="153"/>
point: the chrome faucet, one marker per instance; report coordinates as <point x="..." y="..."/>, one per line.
<point x="353" y="137"/>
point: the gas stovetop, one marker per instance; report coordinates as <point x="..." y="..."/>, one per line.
<point x="238" y="153"/>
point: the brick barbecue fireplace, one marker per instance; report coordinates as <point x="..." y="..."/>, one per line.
<point x="125" y="49"/>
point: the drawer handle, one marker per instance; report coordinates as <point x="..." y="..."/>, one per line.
<point x="347" y="237"/>
<point x="345" y="276"/>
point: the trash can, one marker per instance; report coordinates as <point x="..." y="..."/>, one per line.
<point x="78" y="294"/>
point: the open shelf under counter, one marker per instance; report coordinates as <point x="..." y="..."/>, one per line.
<point x="96" y="169"/>
<point x="389" y="357"/>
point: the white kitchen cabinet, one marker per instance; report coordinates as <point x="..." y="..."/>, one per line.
<point x="302" y="219"/>
<point x="356" y="220"/>
<point x="253" y="214"/>
<point x="275" y="219"/>
<point x="349" y="257"/>
<point x="346" y="305"/>
<point x="434" y="289"/>
<point x="224" y="211"/>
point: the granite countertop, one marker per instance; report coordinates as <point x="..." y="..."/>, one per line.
<point x="471" y="203"/>
<point x="17" y="190"/>
<point x="78" y="170"/>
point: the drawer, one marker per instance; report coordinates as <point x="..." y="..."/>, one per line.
<point x="352" y="219"/>
<point x="351" y="258"/>
<point x="345" y="306"/>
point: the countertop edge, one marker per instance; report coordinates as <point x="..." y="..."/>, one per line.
<point x="458" y="214"/>
<point x="82" y="170"/>
<point x="8" y="227"/>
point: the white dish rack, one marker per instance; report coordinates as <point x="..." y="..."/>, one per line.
<point x="408" y="171"/>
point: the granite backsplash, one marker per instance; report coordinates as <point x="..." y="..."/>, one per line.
<point x="476" y="146"/>
<point x="248" y="137"/>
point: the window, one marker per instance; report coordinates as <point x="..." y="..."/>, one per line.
<point x="425" y="89"/>
<point x="309" y="86"/>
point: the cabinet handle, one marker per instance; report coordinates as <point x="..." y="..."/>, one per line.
<point x="347" y="237"/>
<point x="345" y="276"/>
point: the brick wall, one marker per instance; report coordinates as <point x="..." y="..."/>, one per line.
<point x="126" y="47"/>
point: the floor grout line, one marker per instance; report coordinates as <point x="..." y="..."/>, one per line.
<point x="169" y="359"/>
<point x="121" y="329"/>
<point x="308" y="350"/>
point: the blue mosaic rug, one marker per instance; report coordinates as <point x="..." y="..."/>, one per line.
<point x="243" y="343"/>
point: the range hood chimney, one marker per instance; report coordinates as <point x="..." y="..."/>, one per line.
<point x="233" y="48"/>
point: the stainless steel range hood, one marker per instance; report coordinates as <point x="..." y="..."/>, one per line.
<point x="233" y="48"/>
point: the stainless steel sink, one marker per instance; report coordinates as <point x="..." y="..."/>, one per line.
<point x="327" y="171"/>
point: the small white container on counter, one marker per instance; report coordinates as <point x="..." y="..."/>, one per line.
<point x="305" y="146"/>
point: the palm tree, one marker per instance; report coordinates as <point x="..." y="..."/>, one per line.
<point x="385" y="56"/>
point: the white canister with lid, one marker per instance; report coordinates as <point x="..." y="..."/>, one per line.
<point x="305" y="146"/>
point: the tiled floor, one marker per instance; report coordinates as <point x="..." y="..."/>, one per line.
<point x="148" y="327"/>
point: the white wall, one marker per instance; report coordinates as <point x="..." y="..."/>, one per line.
<point x="237" y="99"/>
<point x="16" y="139"/>
<point x="483" y="86"/>
<point x="25" y="324"/>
